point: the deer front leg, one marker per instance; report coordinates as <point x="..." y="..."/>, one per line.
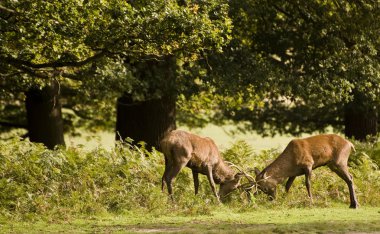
<point x="196" y="181"/>
<point x="212" y="183"/>
<point x="289" y="183"/>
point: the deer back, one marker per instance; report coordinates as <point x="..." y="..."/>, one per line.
<point x="312" y="151"/>
<point x="318" y="150"/>
<point x="180" y="144"/>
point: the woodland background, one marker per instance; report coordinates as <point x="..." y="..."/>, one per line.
<point x="141" y="68"/>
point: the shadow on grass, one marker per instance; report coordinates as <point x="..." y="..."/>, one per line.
<point x="200" y="227"/>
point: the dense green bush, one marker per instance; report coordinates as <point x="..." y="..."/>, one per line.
<point x="34" y="179"/>
<point x="372" y="149"/>
<point x="74" y="181"/>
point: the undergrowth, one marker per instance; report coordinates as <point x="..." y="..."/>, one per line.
<point x="67" y="182"/>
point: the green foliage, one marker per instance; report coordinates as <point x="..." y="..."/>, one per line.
<point x="304" y="60"/>
<point x="369" y="149"/>
<point x="72" y="181"/>
<point x="95" y="50"/>
<point x="36" y="182"/>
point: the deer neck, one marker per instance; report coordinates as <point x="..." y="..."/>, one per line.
<point x="276" y="171"/>
<point x="223" y="173"/>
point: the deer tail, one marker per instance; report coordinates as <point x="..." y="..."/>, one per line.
<point x="352" y="147"/>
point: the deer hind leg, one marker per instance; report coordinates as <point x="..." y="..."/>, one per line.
<point x="289" y="183"/>
<point x="196" y="181"/>
<point x="171" y="174"/>
<point x="308" y="181"/>
<point x="342" y="171"/>
<point x="167" y="169"/>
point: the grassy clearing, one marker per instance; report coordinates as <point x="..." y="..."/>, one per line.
<point x="299" y="220"/>
<point x="224" y="137"/>
<point x="118" y="190"/>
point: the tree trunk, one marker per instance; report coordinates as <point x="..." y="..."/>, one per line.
<point x="45" y="124"/>
<point x="146" y="121"/>
<point x="361" y="119"/>
<point x="150" y="119"/>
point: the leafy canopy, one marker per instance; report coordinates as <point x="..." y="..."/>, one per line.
<point x="88" y="45"/>
<point x="304" y="60"/>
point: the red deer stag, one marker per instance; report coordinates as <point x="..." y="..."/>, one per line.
<point x="201" y="155"/>
<point x="301" y="156"/>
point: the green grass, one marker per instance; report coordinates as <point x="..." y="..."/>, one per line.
<point x="222" y="135"/>
<point x="118" y="190"/>
<point x="299" y="220"/>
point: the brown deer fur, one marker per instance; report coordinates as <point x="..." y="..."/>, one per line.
<point x="301" y="156"/>
<point x="201" y="155"/>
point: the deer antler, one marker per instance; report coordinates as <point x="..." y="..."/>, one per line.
<point x="247" y="187"/>
<point x="249" y="177"/>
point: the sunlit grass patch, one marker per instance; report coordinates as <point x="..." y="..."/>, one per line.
<point x="337" y="219"/>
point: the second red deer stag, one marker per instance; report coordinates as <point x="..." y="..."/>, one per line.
<point x="301" y="156"/>
<point x="201" y="155"/>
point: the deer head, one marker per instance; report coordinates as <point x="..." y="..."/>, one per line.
<point x="265" y="183"/>
<point x="231" y="185"/>
<point x="228" y="186"/>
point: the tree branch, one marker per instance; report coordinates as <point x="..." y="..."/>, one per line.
<point x="30" y="71"/>
<point x="14" y="61"/>
<point x="283" y="11"/>
<point x="13" y="125"/>
<point x="10" y="74"/>
<point x="3" y="8"/>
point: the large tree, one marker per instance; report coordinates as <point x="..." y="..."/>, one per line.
<point x="313" y="63"/>
<point x="190" y="30"/>
<point x="95" y="51"/>
<point x="59" y="43"/>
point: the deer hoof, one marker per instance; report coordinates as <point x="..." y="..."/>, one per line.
<point x="354" y="206"/>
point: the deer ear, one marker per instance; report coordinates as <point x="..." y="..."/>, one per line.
<point x="257" y="171"/>
<point x="265" y="176"/>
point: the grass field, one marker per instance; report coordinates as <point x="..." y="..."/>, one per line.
<point x="222" y="135"/>
<point x="299" y="220"/>
<point x="104" y="191"/>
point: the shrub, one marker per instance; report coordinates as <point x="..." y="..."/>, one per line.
<point x="35" y="181"/>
